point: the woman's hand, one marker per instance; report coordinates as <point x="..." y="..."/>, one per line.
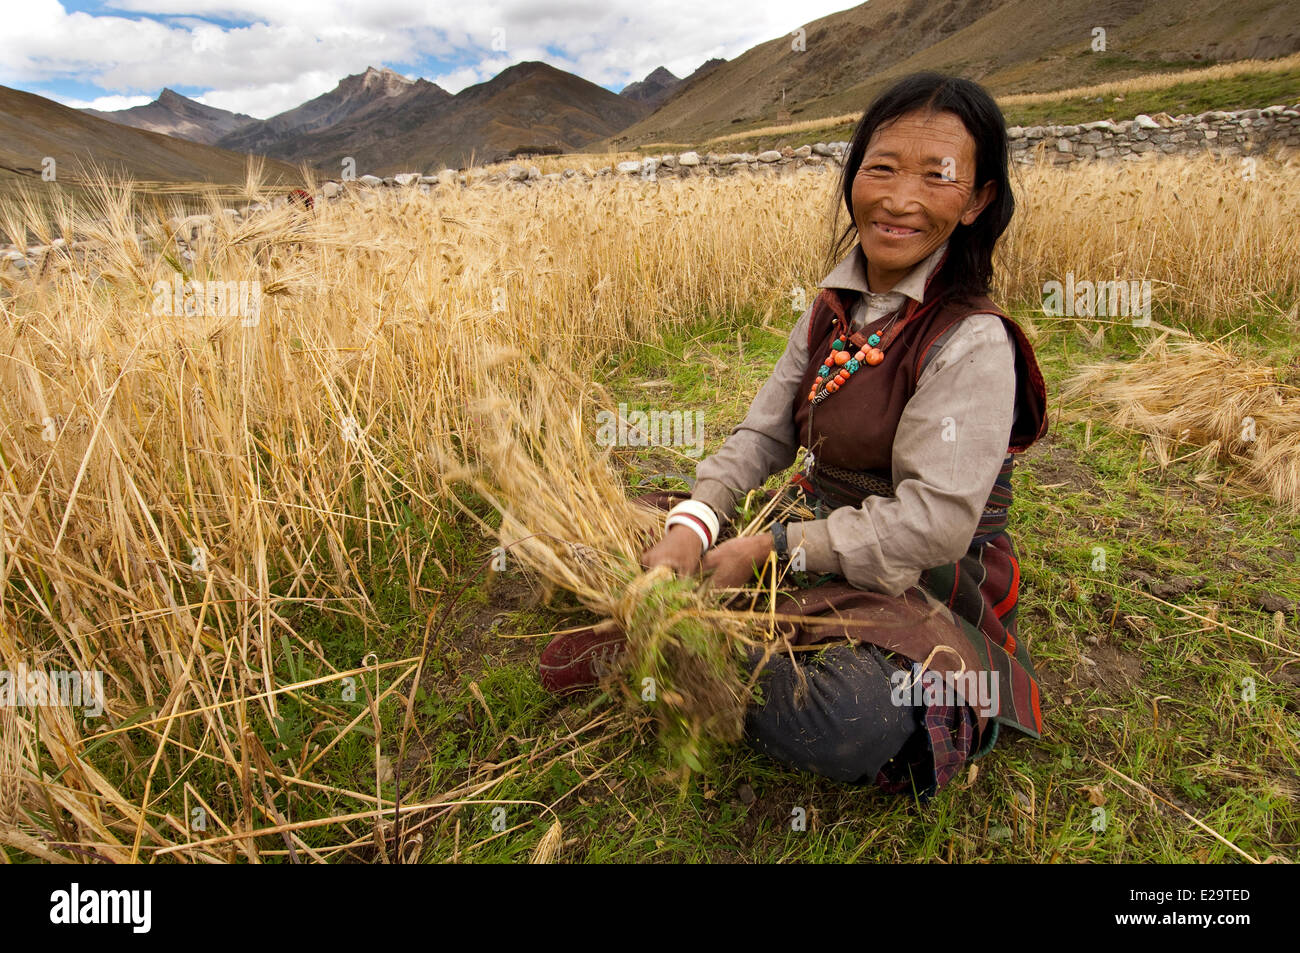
<point x="733" y="563"/>
<point x="679" y="550"/>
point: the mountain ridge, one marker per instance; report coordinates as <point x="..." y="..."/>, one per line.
<point x="173" y="114"/>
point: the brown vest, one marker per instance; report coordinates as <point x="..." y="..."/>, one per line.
<point x="854" y="428"/>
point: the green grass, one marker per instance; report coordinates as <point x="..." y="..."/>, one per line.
<point x="1129" y="683"/>
<point x="1251" y="90"/>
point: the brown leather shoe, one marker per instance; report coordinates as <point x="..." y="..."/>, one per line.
<point x="577" y="660"/>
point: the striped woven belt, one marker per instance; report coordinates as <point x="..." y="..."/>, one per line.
<point x="841" y="487"/>
<point x="865" y="480"/>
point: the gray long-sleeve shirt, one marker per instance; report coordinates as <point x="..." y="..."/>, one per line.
<point x="949" y="446"/>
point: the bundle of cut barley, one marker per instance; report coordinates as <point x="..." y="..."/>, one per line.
<point x="1185" y="391"/>
<point x="565" y="514"/>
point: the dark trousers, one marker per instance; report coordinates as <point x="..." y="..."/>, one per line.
<point x="842" y="723"/>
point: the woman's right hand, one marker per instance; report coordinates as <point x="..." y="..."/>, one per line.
<point x="680" y="550"/>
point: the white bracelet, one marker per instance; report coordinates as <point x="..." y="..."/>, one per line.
<point x="681" y="519"/>
<point x="702" y="512"/>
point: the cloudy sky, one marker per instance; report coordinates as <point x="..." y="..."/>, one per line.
<point x="261" y="57"/>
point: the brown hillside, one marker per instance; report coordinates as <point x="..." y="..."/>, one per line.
<point x="32" y="127"/>
<point x="1009" y="45"/>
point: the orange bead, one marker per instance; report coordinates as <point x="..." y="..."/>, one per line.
<point x="832" y="387"/>
<point x="829" y="362"/>
<point x="860" y="356"/>
<point x="842" y="357"/>
<point x="842" y="376"/>
<point x="875" y="355"/>
<point x="812" y="393"/>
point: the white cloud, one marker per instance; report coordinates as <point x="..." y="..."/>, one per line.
<point x="267" y="99"/>
<point x="287" y="51"/>
<point x="106" y="103"/>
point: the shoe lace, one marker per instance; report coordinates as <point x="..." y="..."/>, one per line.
<point x="605" y="659"/>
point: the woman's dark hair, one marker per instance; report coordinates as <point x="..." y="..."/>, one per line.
<point x="968" y="269"/>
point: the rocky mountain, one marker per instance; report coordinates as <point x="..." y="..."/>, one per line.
<point x="530" y="106"/>
<point x="175" y="115"/>
<point x="33" y="128"/>
<point x="652" y="90"/>
<point x="356" y="97"/>
<point x="839" y="62"/>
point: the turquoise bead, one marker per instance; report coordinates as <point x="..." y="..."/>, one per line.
<point x="873" y="340"/>
<point x="852" y="365"/>
<point x="838" y="345"/>
<point x="823" y="371"/>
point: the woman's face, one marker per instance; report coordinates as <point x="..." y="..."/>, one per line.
<point x="915" y="184"/>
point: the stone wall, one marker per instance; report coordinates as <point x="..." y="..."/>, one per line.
<point x="1246" y="132"/>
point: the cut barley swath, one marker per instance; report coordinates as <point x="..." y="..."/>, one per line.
<point x="1186" y="391"/>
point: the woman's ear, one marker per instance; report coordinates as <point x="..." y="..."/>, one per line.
<point x="979" y="201"/>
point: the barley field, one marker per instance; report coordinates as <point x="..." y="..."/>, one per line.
<point x="314" y="548"/>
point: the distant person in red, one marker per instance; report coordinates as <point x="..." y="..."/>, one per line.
<point x="913" y="393"/>
<point x="302" y="198"/>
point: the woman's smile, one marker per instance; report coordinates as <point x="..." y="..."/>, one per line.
<point x="895" y="232"/>
<point x="914" y="187"/>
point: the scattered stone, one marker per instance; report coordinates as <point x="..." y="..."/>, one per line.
<point x="1170" y="588"/>
<point x="370" y="181"/>
<point x="689" y="159"/>
<point x="1274" y="603"/>
<point x="406" y="178"/>
<point x="771" y="155"/>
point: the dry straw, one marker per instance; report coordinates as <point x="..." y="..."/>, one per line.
<point x="1186" y="391"/>
<point x="180" y="491"/>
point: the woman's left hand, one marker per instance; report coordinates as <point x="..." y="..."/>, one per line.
<point x="732" y="563"/>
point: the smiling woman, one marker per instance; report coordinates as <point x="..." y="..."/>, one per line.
<point x="915" y="184"/>
<point x="907" y="570"/>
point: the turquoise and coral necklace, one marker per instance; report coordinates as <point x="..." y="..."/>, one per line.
<point x="870" y="352"/>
